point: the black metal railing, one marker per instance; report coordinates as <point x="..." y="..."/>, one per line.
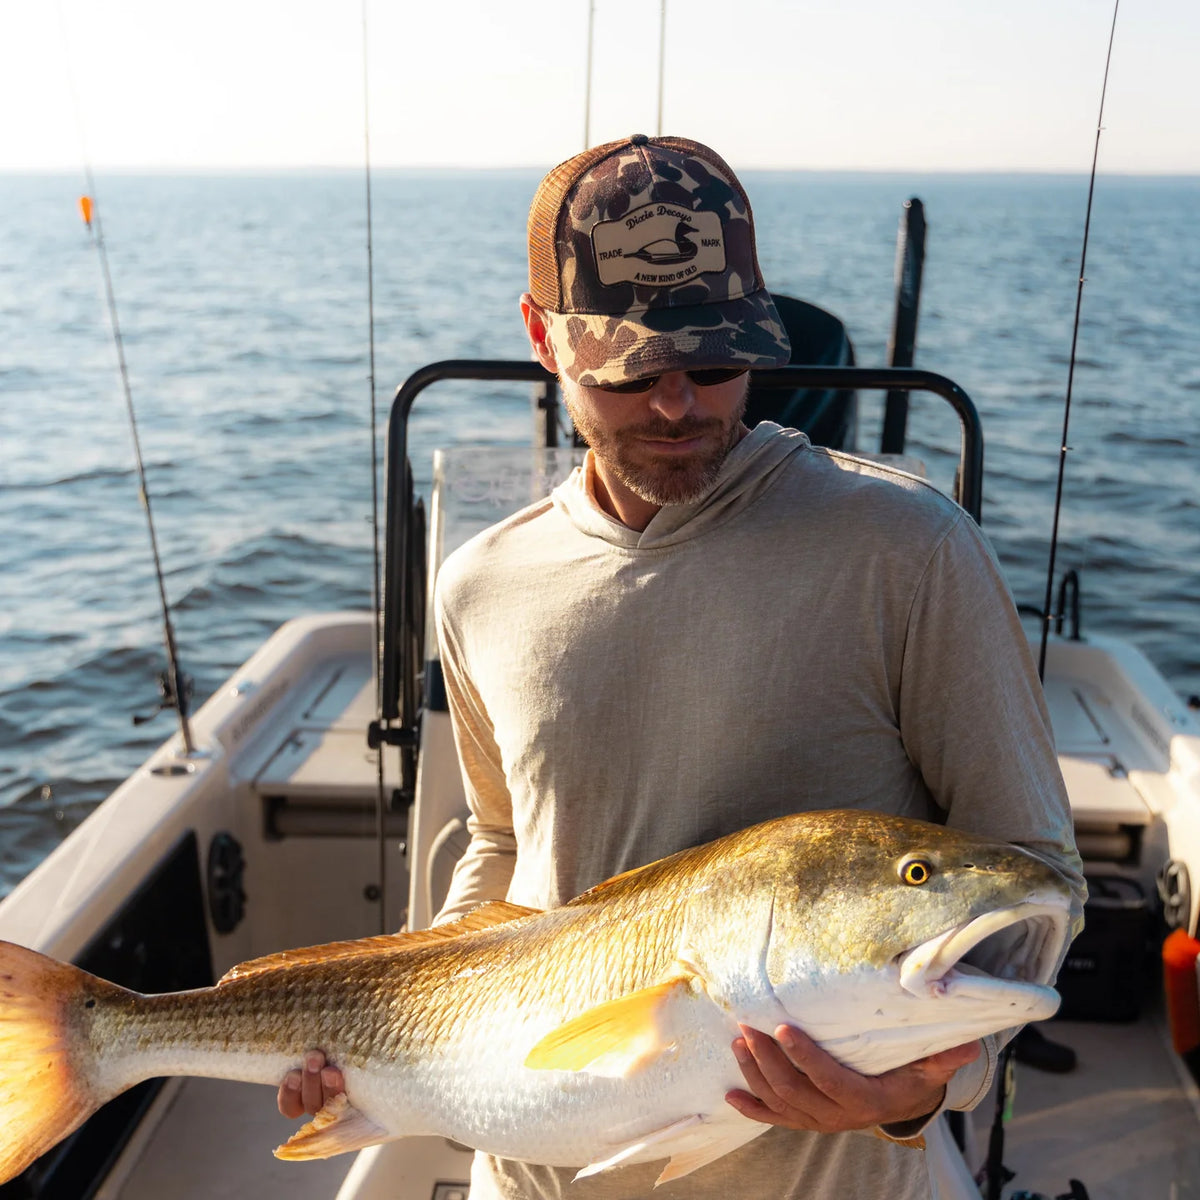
<point x="403" y="579"/>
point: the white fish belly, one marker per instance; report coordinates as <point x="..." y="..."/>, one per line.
<point x="478" y="1091"/>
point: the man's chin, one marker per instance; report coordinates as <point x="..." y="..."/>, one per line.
<point x="671" y="483"/>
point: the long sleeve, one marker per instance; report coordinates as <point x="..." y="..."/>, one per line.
<point x="974" y="721"/>
<point x="973" y="718"/>
<point x="485" y="870"/>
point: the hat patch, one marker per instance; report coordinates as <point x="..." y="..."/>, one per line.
<point x="658" y="245"/>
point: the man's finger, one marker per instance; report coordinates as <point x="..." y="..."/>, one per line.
<point x="781" y="1074"/>
<point x="288" y="1100"/>
<point x="954" y="1058"/>
<point x="826" y="1074"/>
<point x="791" y="1091"/>
<point x="804" y="1052"/>
<point x="312" y="1091"/>
<point x="750" y="1106"/>
<point x="757" y="1085"/>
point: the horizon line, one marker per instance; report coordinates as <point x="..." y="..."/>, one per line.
<point x="429" y="168"/>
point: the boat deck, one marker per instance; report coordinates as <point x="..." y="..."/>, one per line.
<point x="213" y="1141"/>
<point x="1125" y="1122"/>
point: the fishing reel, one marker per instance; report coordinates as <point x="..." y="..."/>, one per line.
<point x="167" y="697"/>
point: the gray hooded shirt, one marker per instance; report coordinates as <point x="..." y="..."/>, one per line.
<point x="816" y="631"/>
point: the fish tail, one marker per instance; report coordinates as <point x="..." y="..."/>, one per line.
<point x="44" y="1088"/>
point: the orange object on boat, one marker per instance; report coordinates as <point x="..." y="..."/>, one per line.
<point x="1182" y="989"/>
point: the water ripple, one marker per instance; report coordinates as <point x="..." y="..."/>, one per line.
<point x="243" y="303"/>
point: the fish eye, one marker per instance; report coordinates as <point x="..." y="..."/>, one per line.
<point x="916" y="870"/>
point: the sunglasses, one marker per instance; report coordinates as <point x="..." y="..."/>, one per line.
<point x="704" y="377"/>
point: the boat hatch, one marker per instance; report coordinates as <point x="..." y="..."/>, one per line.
<point x="1101" y="792"/>
<point x="1080" y="713"/>
<point x="319" y="777"/>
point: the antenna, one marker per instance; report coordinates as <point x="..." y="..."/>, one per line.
<point x="587" y="90"/>
<point x="662" y="55"/>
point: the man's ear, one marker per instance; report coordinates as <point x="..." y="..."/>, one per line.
<point x="539" y="333"/>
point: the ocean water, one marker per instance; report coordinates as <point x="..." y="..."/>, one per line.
<point x="243" y="302"/>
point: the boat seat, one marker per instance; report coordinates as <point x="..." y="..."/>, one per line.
<point x="819" y="339"/>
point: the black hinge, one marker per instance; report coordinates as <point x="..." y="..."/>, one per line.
<point x="379" y="734"/>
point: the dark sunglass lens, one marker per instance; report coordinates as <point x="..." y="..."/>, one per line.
<point x="627" y="386"/>
<point x="711" y="376"/>
<point x="705" y="377"/>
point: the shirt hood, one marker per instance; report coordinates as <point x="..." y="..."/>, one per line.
<point x="749" y="469"/>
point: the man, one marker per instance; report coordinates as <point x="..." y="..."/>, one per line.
<point x="707" y="626"/>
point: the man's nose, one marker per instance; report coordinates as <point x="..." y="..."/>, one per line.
<point x="673" y="396"/>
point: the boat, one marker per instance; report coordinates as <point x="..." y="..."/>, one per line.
<point x="328" y="755"/>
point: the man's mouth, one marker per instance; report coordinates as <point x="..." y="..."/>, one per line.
<point x="684" y="445"/>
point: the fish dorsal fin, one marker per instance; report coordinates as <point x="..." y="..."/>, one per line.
<point x="611" y="881"/>
<point x="338" y="1127"/>
<point x="486" y="916"/>
<point x="494" y="912"/>
<point x="627" y="1033"/>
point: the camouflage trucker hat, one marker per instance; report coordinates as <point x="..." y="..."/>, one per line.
<point x="641" y="253"/>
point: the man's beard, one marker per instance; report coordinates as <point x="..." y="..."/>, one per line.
<point x="661" y="479"/>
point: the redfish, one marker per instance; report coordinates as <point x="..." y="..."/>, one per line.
<point x="591" y="1035"/>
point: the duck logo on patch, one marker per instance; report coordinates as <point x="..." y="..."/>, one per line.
<point x="658" y="245"/>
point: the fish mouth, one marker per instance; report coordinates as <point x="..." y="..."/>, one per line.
<point x="1019" y="945"/>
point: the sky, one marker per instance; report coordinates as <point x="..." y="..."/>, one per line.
<point x="937" y="85"/>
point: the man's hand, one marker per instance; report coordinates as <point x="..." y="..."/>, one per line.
<point x="793" y="1082"/>
<point x="308" y="1091"/>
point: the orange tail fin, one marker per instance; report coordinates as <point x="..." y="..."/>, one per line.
<point x="44" y="1094"/>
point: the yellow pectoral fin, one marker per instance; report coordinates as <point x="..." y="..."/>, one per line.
<point x="338" y="1127"/>
<point x="626" y="1033"/>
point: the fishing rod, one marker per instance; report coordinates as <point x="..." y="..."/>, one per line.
<point x="996" y="1174"/>
<point x="376" y="573"/>
<point x="1047" y="615"/>
<point x="174" y="687"/>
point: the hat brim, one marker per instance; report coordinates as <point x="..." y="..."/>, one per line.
<point x="595" y="349"/>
